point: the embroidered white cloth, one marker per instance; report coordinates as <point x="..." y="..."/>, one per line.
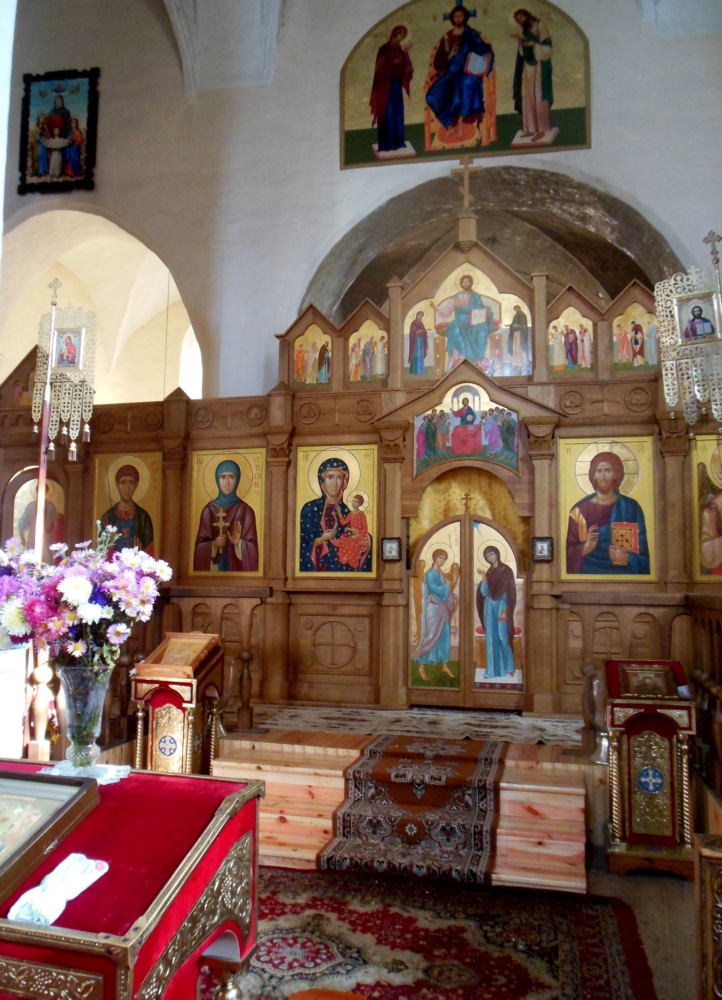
<point x="104" y="774"/>
<point x="45" y="903"/>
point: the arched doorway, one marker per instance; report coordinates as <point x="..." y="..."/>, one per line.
<point x="467" y="602"/>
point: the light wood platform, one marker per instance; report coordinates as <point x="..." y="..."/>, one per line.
<point x="540" y="836"/>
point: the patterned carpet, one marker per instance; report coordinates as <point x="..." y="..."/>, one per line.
<point x="419" y="806"/>
<point x="394" y="938"/>
<point x="452" y="724"/>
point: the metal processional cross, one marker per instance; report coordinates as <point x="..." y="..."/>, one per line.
<point x="54" y="285"/>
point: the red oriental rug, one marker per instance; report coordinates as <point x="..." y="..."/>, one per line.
<point x="419" y="806"/>
<point x="398" y="938"/>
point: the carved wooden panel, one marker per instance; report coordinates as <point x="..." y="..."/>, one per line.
<point x="573" y="649"/>
<point x="607" y="639"/>
<point x="646" y="640"/>
<point x="201" y="619"/>
<point x="334" y="644"/>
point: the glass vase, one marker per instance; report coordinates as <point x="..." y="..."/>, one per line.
<point x="84" y="686"/>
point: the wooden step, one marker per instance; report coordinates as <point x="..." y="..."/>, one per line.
<point x="559" y="881"/>
<point x="278" y="760"/>
<point x="277" y="851"/>
<point x="540" y="841"/>
<point x="543" y="779"/>
<point x="296" y="828"/>
<point x="532" y="828"/>
<point x="533" y="854"/>
<point x="298" y="805"/>
<point x="258" y="748"/>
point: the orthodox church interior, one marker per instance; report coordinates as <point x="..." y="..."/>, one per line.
<point x="409" y="438"/>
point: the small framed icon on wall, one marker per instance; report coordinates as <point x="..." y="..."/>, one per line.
<point x="542" y="549"/>
<point x="391" y="549"/>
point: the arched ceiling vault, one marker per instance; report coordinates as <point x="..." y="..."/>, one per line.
<point x="531" y="219"/>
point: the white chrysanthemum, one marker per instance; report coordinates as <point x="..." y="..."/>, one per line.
<point x="76" y="589"/>
<point x="59" y="548"/>
<point x="147" y="587"/>
<point x="83" y="545"/>
<point x="13" y="547"/>
<point x="130" y="557"/>
<point x="118" y="633"/>
<point x="163" y="570"/>
<point x="29" y="558"/>
<point x="142" y="609"/>
<point x="3" y="558"/>
<point x="90" y="613"/>
<point x="76" y="648"/>
<point x="13" y="620"/>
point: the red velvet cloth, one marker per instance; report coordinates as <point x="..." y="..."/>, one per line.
<point x="614" y="673"/>
<point x="144" y="827"/>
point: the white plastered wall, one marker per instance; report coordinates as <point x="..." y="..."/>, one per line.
<point x="241" y="194"/>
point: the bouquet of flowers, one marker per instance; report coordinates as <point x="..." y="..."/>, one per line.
<point x="84" y="606"/>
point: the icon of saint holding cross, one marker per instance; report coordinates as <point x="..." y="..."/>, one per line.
<point x="227" y="540"/>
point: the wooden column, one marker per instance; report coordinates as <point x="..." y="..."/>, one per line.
<point x="173" y="439"/>
<point x="394" y="627"/>
<point x="396" y="333"/>
<point x="174" y="460"/>
<point x="604" y="349"/>
<point x="674" y="447"/>
<point x="542" y="646"/>
<point x="539" y="319"/>
<point x="276" y="608"/>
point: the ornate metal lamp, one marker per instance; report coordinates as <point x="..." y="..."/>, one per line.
<point x="63" y="392"/>
<point x="689" y="318"/>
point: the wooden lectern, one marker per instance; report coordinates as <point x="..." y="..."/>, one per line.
<point x="177" y="687"/>
<point x="650" y="718"/>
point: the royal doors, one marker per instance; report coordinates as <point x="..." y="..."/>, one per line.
<point x="466" y="617"/>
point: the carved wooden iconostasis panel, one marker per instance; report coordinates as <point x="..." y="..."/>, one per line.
<point x="460" y="435"/>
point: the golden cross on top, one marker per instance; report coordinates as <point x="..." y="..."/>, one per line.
<point x="466" y="162"/>
<point x="467" y="498"/>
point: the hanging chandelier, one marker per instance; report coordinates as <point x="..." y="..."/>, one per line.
<point x="64" y="373"/>
<point x="689" y="321"/>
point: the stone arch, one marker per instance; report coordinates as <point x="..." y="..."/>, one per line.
<point x="580" y="235"/>
<point x="142" y="321"/>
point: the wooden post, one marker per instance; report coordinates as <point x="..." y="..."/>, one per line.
<point x="393" y="693"/>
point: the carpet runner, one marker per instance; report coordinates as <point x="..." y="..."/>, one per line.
<point x="398" y="938"/>
<point x="419" y="806"/>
